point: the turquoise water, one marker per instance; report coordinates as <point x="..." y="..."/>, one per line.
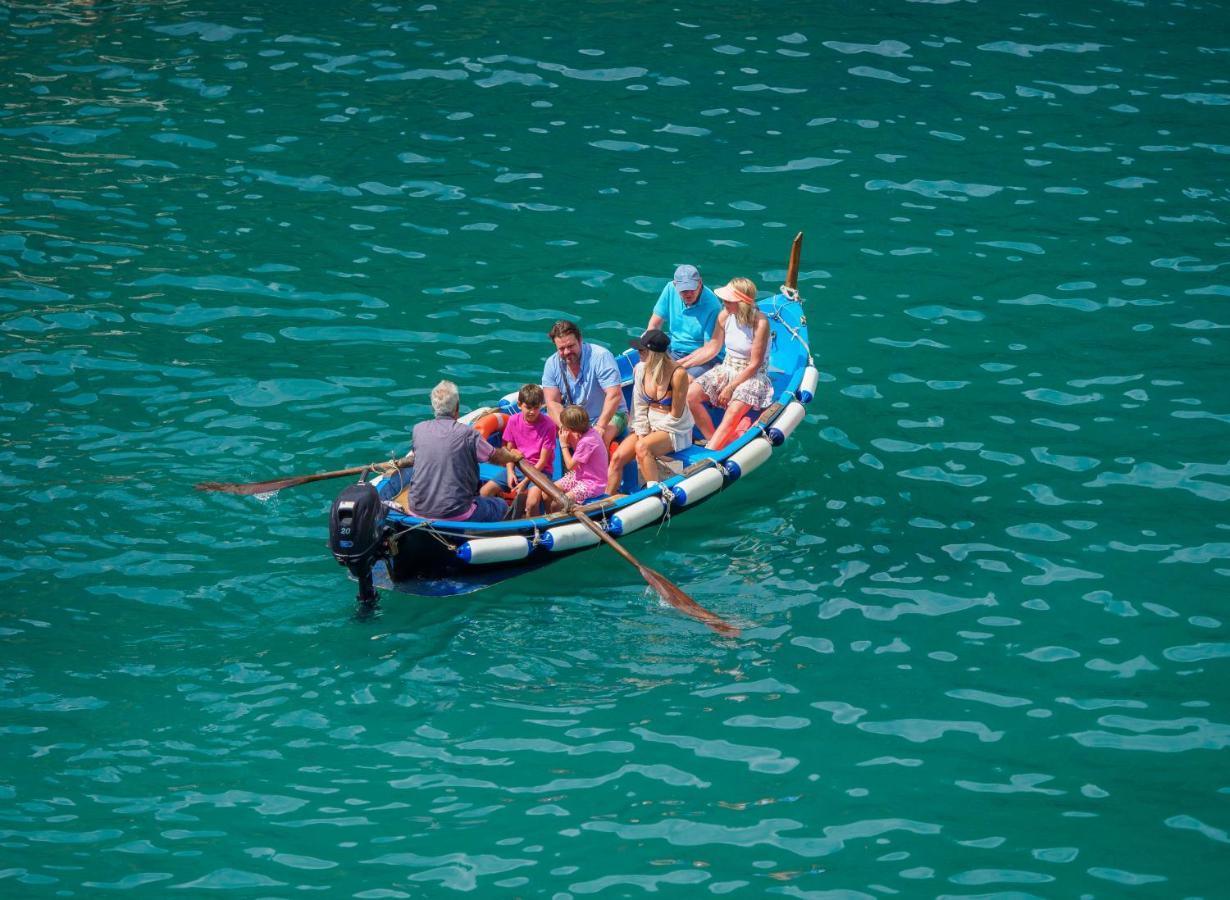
<point x="983" y="586"/>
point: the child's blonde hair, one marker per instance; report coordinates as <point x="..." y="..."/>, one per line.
<point x="574" y="418"/>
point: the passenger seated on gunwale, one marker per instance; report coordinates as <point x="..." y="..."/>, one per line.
<point x="446" y="458"/>
<point x="741" y="383"/>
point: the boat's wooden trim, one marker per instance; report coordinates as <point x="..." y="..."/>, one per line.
<point x="584" y="508"/>
<point x="770" y="414"/>
<point x="402" y="500"/>
<point x="700" y="465"/>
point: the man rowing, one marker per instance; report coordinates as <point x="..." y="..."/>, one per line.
<point x="446" y="458"/>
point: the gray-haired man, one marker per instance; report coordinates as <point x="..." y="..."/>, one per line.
<point x="446" y="458"/>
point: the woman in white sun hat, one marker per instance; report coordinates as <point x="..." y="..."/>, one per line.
<point x="741" y="382"/>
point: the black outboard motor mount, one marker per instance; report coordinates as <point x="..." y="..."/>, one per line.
<point x="356" y="537"/>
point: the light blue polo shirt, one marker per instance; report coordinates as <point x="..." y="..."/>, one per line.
<point x="599" y="371"/>
<point x="689" y="326"/>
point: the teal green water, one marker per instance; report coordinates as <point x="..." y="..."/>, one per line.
<point x="984" y="583"/>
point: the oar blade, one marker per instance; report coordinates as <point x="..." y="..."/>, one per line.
<point x="276" y="484"/>
<point x="256" y="487"/>
<point x="675" y="596"/>
<point x="665" y="588"/>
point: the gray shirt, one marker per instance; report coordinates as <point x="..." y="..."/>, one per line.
<point x="446" y="458"/>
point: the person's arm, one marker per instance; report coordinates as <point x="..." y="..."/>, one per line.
<point x="566" y="451"/>
<point x="610" y="406"/>
<point x="550" y="387"/>
<point x="710" y="348"/>
<point x="760" y="343"/>
<point x="503" y="455"/>
<point x="546" y="453"/>
<point x="640" y="409"/>
<point x="555" y="403"/>
<point x="679" y="392"/>
<point x="608" y="379"/>
<point x="661" y="308"/>
<point x="543" y="461"/>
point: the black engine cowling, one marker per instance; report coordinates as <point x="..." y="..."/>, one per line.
<point x="356" y="536"/>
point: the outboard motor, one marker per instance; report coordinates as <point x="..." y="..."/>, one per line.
<point x="356" y="538"/>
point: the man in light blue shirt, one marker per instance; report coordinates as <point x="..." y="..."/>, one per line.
<point x="688" y="312"/>
<point x="587" y="375"/>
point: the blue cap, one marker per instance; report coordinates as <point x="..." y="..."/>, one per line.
<point x="686" y="278"/>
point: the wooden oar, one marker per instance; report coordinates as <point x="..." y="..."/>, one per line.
<point x="666" y="590"/>
<point x="276" y="484"/>
<point x="792" y="270"/>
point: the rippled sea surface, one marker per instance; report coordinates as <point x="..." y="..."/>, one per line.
<point x="984" y="585"/>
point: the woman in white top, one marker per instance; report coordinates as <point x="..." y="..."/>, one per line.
<point x="741" y="382"/>
<point x="661" y="421"/>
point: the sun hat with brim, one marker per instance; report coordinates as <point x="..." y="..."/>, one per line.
<point x="687" y="278"/>
<point x="731" y="294"/>
<point x="653" y="340"/>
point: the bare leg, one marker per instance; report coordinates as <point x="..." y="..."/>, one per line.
<point x="734" y="412"/>
<point x="491" y="489"/>
<point x="533" y="500"/>
<point x="609" y="433"/>
<point x="622" y="456"/>
<point x="696" y="403"/>
<point x="654" y="444"/>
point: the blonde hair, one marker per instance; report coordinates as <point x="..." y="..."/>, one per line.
<point x="657" y="366"/>
<point x="574" y="418"/>
<point x="745" y="313"/>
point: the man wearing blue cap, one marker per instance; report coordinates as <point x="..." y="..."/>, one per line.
<point x="688" y="312"/>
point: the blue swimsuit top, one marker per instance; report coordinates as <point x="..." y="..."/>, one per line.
<point x="664" y="401"/>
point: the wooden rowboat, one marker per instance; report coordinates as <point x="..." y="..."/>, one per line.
<point x="383" y="545"/>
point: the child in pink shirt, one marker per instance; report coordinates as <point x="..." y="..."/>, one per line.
<point x="532" y="433"/>
<point x="585" y="460"/>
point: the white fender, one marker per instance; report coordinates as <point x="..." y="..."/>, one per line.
<point x="807" y="387"/>
<point x="785" y="424"/>
<point x="635" y="516"/>
<point x="699" y="486"/>
<point x="568" y="537"/>
<point x="494" y="549"/>
<point x="749" y="457"/>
